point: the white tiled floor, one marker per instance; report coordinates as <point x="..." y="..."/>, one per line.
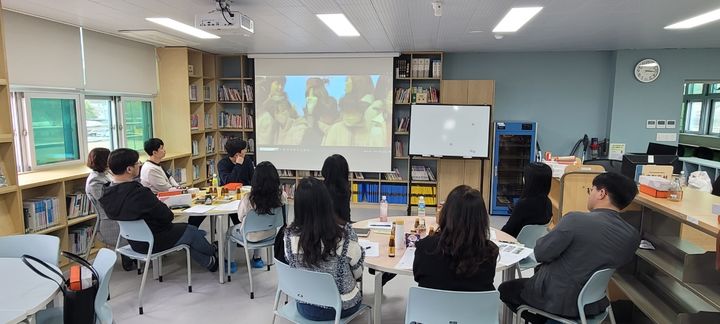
<point x="211" y="302"/>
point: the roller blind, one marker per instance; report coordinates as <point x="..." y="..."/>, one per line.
<point x="41" y="52"/>
<point x="114" y="64"/>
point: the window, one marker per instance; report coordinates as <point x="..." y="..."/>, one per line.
<point x="52" y="127"/>
<point x="114" y="122"/>
<point x="701" y="108"/>
<point x="715" y="119"/>
<point x="100" y="122"/>
<point x="137" y="116"/>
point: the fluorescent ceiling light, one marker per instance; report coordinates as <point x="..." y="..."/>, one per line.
<point x="696" y="21"/>
<point x="339" y="24"/>
<point x="515" y="19"/>
<point x="187" y="29"/>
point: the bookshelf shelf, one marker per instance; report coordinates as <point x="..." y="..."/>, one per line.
<point x="199" y="156"/>
<point x="197" y="131"/>
<point x="423" y="182"/>
<point x="50" y="229"/>
<point x="394" y="181"/>
<point x="428" y="158"/>
<point x="195" y="76"/>
<point x="3" y="82"/>
<point x="6" y="138"/>
<point x="82" y="219"/>
<point x="402" y="133"/>
<point x="401" y="157"/>
<point x="8" y="189"/>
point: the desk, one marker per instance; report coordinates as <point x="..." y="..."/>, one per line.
<point x="384" y="263"/>
<point x="24" y="292"/>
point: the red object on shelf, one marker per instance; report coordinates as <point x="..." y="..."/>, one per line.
<point x="654" y="192"/>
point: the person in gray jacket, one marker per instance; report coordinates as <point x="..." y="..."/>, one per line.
<point x="581" y="244"/>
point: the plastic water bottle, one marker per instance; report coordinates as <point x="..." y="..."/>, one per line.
<point x="421" y="206"/>
<point x="683" y="179"/>
<point x="383" y="209"/>
<point x="215" y="180"/>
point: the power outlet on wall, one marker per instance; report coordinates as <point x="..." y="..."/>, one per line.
<point x="650" y="123"/>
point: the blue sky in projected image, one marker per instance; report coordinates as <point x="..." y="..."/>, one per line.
<point x="295" y="88"/>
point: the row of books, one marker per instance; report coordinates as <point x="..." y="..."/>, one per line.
<point x="195" y="147"/>
<point x="40" y="213"/>
<point x="80" y="239"/>
<point x="357" y="175"/>
<point x="305" y="173"/>
<point x="78" y="205"/>
<point x="193" y="92"/>
<point x="194" y="121"/>
<point x="402" y="95"/>
<point x="210" y="144"/>
<point x="208" y="121"/>
<point x="211" y="167"/>
<point x="396" y="194"/>
<point x="417" y="95"/>
<point x="418" y="68"/>
<point x="372" y="192"/>
<point x="422" y="173"/>
<point x="286" y="173"/>
<point x="180" y="175"/>
<point x="403" y="124"/>
<point x="399" y="149"/>
<point x="229" y="120"/>
<point x="429" y="194"/>
<point x="235" y="94"/>
<point x="196" y="171"/>
<point x="394" y="176"/>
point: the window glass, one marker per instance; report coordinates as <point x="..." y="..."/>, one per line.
<point x="55" y="130"/>
<point x="715" y="120"/>
<point x="98" y="123"/>
<point x="693" y="116"/>
<point x="137" y="115"/>
<point x="694" y="89"/>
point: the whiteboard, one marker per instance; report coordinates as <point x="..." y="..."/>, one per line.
<point x="449" y="130"/>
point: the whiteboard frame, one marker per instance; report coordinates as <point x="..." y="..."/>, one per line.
<point x="490" y="130"/>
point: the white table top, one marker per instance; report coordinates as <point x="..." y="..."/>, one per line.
<point x="387" y="264"/>
<point x="12" y="316"/>
<point x="23" y="291"/>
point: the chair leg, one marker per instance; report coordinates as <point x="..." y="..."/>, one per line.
<point x="519" y="272"/>
<point x="142" y="285"/>
<point x="249" y="267"/>
<point x="518" y="316"/>
<point x="275" y="305"/>
<point x="159" y="264"/>
<point x="269" y="257"/>
<point x="189" y="269"/>
<point x="611" y="314"/>
<point x="228" y="256"/>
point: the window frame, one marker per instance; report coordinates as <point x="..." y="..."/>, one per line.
<point x="120" y="116"/>
<point x="115" y="141"/>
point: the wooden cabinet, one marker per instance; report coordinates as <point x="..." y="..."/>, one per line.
<point x="468" y="92"/>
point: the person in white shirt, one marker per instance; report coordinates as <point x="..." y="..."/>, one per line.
<point x="152" y="174"/>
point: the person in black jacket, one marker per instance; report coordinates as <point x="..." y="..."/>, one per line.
<point x="235" y="167"/>
<point x="335" y="171"/>
<point x="534" y="207"/>
<point x="126" y="200"/>
<point x="460" y="255"/>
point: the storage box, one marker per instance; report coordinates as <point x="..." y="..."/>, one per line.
<point x="653" y="192"/>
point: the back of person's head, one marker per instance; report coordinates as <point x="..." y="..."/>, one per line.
<point x="335" y="171"/>
<point x="98" y="159"/>
<point x="235" y="145"/>
<point x="465" y="231"/>
<point x="265" y="192"/>
<point x="620" y="189"/>
<point x="315" y="222"/>
<point x="538" y="177"/>
<point x="121" y="159"/>
<point x="152" y="145"/>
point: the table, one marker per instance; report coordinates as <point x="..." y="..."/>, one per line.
<point x="383" y="263"/>
<point x="216" y="218"/>
<point x="24" y="292"/>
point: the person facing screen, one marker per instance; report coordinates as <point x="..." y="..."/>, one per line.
<point x="335" y="171"/>
<point x="459" y="255"/>
<point x="534" y="207"/>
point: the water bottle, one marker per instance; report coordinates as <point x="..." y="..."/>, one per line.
<point x="683" y="179"/>
<point x="421" y="206"/>
<point x="383" y="209"/>
<point x="215" y="180"/>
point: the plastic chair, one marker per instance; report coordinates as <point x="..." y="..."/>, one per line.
<point x="97" y="205"/>
<point x="103" y="264"/>
<point x="43" y="247"/>
<point x="427" y="305"/>
<point x="594" y="289"/>
<point x="255" y="222"/>
<point x="317" y="288"/>
<point x="528" y="236"/>
<point x="138" y="231"/>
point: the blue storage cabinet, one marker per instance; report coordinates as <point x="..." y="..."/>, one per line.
<point x="513" y="150"/>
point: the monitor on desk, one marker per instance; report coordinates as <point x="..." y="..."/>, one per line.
<point x="631" y="161"/>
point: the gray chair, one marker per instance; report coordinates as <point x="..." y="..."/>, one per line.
<point x="427" y="305"/>
<point x="43" y="247"/>
<point x="594" y="290"/>
<point x="528" y="236"/>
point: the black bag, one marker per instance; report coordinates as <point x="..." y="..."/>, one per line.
<point x="78" y="306"/>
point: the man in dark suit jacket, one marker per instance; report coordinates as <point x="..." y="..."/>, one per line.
<point x="580" y="245"/>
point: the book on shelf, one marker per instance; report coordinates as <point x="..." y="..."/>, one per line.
<point x="79" y="238"/>
<point x="248" y="93"/>
<point x="210" y="144"/>
<point x="180" y="175"/>
<point x="426" y="68"/>
<point x="210" y="167"/>
<point x="402" y="95"/>
<point x="229" y="94"/>
<point x="403" y="124"/>
<point x="229" y="120"/>
<point x="306" y="173"/>
<point x="208" y="120"/>
<point x="430" y="174"/>
<point x="194" y="121"/>
<point x="206" y="93"/>
<point x="286" y="173"/>
<point x="251" y="145"/>
<point x="78" y="205"/>
<point x="40" y="213"/>
<point x="248" y="121"/>
<point x="429" y="193"/>
<point x="402" y="68"/>
<point x="399" y="149"/>
<point x="393" y="176"/>
<point x="196" y="171"/>
<point x="358" y="175"/>
<point x="430" y="95"/>
<point x="195" y="148"/>
<point x="420" y="173"/>
<point x="193" y="92"/>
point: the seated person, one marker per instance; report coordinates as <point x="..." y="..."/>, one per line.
<point x="335" y="172"/>
<point x="459" y="256"/>
<point x="235" y="167"/>
<point x="127" y="200"/>
<point x="534" y="207"/>
<point x="152" y="174"/>
<point x="108" y="230"/>
<point x="265" y="197"/>
<point x="581" y="244"/>
<point x="318" y="241"/>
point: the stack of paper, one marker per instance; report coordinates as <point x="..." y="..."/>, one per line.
<point x="406" y="262"/>
<point x="511" y="253"/>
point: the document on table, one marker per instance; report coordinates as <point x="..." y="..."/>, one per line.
<point x="511" y="253"/>
<point x="493" y="235"/>
<point x="372" y="249"/>
<point x="228" y="207"/>
<point x="406" y="262"/>
<point x="380" y="227"/>
<point x="198" y="209"/>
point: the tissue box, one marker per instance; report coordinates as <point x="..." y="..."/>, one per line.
<point x="653" y="192"/>
<point x="655" y="182"/>
<point x="411" y="239"/>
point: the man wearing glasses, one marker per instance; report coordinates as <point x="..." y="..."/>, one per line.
<point x="581" y="244"/>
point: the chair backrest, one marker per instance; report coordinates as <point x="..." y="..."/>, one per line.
<point x="136" y="230"/>
<point x="43" y="247"/>
<point x="255" y="222"/>
<point x="427" y="305"/>
<point x="595" y="289"/>
<point x="310" y="287"/>
<point x="103" y="264"/>
<point x="529" y="234"/>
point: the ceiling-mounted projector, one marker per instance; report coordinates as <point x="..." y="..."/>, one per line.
<point x="224" y="19"/>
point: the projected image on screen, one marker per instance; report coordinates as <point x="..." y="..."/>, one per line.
<point x="314" y="116"/>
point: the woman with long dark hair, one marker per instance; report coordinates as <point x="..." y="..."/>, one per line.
<point x="265" y="198"/>
<point x="534" y="207"/>
<point x="335" y="171"/>
<point x="318" y="241"/>
<point x="460" y="255"/>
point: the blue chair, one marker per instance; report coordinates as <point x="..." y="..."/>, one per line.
<point x="43" y="247"/>
<point x="103" y="264"/>
<point x="427" y="305"/>
<point x="528" y="236"/>
<point x="138" y="231"/>
<point x="317" y="288"/>
<point x="253" y="223"/>
<point x="594" y="289"/>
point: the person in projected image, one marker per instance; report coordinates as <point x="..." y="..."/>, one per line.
<point x="276" y="103"/>
<point x="351" y="129"/>
<point x="379" y="113"/>
<point x="360" y="87"/>
<point x="320" y="113"/>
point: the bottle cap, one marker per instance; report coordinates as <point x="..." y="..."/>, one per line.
<point x="399" y="222"/>
<point x="384" y="197"/>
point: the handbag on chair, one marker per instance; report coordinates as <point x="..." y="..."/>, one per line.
<point x="78" y="304"/>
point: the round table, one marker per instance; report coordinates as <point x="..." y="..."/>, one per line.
<point x="384" y="263"/>
<point x="24" y="292"/>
